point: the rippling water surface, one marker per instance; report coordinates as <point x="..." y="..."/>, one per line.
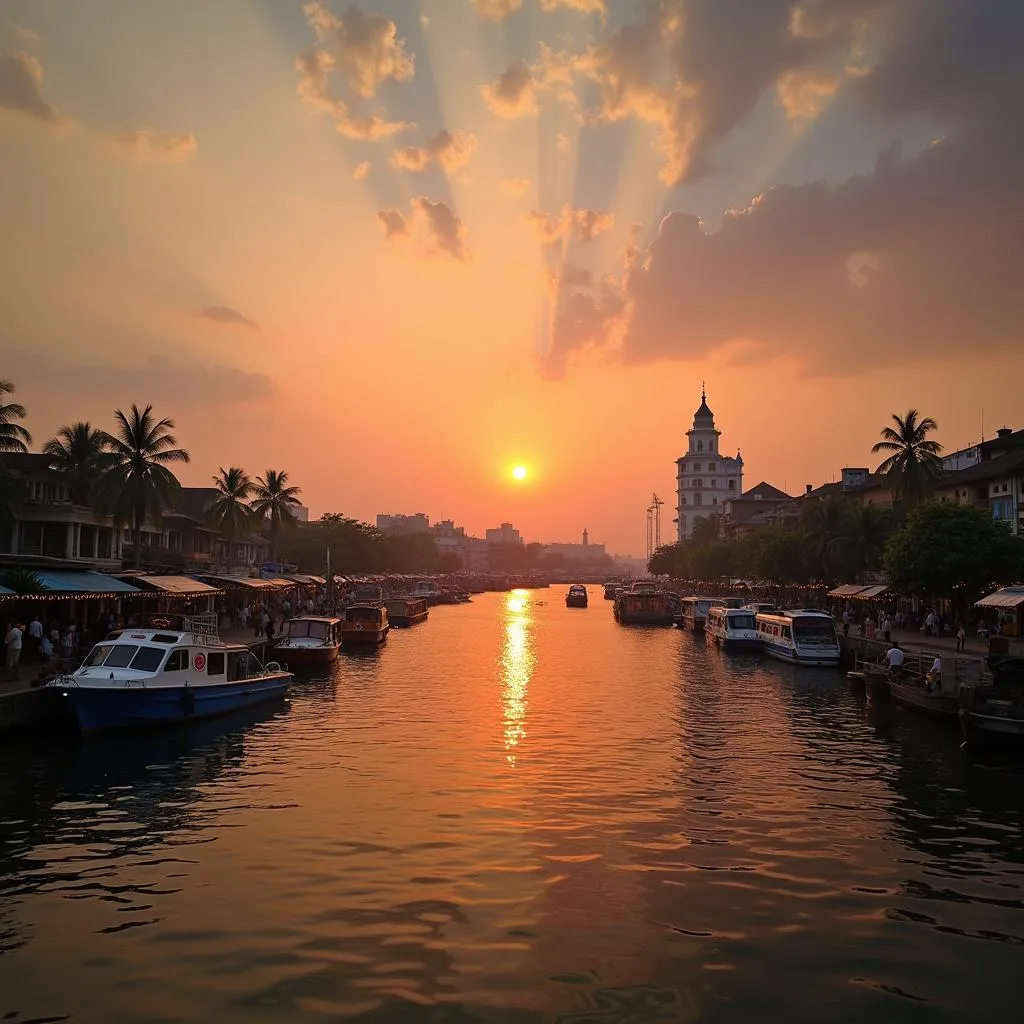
<point x="519" y="812"/>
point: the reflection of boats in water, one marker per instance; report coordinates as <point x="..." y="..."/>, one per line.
<point x="310" y="643"/>
<point x="155" y="675"/>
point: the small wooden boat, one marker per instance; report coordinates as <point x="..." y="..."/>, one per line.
<point x="310" y="643"/>
<point x="576" y="597"/>
<point x="914" y="693"/>
<point x="406" y="611"/>
<point x="364" y="625"/>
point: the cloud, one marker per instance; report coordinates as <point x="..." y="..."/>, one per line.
<point x="804" y="93"/>
<point x="584" y="316"/>
<point x="452" y="150"/>
<point x="583" y="225"/>
<point x="583" y="6"/>
<point x="514" y="186"/>
<point x="21" y="80"/>
<point x="497" y="10"/>
<point x="361" y="170"/>
<point x="167" y="384"/>
<point x="365" y="48"/>
<point x="432" y="223"/>
<point x="226" y="315"/>
<point x="26" y="35"/>
<point x="145" y="144"/>
<point x="513" y="93"/>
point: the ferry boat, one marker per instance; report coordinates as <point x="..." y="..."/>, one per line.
<point x="992" y="713"/>
<point x="576" y="597"/>
<point x="643" y="605"/>
<point x="160" y="674"/>
<point x="406" y="611"/>
<point x="310" y="643"/>
<point x="364" y="624"/>
<point x="609" y="591"/>
<point x="732" y="628"/>
<point x="428" y="590"/>
<point x="801" y="637"/>
<point x="694" y="612"/>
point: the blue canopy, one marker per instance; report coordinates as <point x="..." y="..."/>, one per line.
<point x="72" y="582"/>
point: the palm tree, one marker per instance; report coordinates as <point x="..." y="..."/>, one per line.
<point x="138" y="482"/>
<point x="13" y="436"/>
<point x="822" y="523"/>
<point x="273" y="499"/>
<point x="913" y="465"/>
<point x="228" y="511"/>
<point x="863" y="533"/>
<point x="78" y="453"/>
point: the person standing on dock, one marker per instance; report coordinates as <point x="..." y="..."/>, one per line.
<point x="35" y="634"/>
<point x="894" y="659"/>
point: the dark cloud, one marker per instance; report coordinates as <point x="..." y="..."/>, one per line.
<point x="432" y="223"/>
<point x="167" y="384"/>
<point x="21" y="83"/>
<point x="227" y="315"/>
<point x="920" y="259"/>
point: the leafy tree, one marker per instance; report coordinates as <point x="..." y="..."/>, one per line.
<point x="914" y="464"/>
<point x="138" y="482"/>
<point x="22" y="581"/>
<point x="449" y="563"/>
<point x="953" y="551"/>
<point x="822" y="523"/>
<point x="705" y="530"/>
<point x="670" y="560"/>
<point x="12" y="492"/>
<point x="78" y="454"/>
<point x="228" y="511"/>
<point x="863" y="531"/>
<point x="275" y="500"/>
<point x="13" y="436"/>
<point x="781" y="556"/>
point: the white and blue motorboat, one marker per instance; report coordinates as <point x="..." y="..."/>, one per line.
<point x="159" y="674"/>
<point x="732" y="628"/>
<point x="805" y="637"/>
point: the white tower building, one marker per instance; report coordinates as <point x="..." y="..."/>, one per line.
<point x="704" y="478"/>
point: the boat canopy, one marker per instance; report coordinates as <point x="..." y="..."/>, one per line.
<point x="1008" y="597"/>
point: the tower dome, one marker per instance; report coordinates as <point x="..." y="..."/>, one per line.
<point x="703" y="417"/>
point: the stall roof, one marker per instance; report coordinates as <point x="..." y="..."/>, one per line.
<point x="4" y="592"/>
<point x="847" y="590"/>
<point x="1008" y="597"/>
<point x="178" y="585"/>
<point x="71" y="582"/>
<point x="870" y="592"/>
<point x="302" y="578"/>
<point x="243" y="581"/>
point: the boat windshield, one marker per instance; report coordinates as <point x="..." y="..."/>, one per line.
<point x="144" y="659"/>
<point x="815" y="630"/>
<point x="304" y="628"/>
<point x="741" y="622"/>
<point x="362" y="615"/>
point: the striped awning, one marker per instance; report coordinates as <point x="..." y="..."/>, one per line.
<point x="847" y="590"/>
<point x="249" y="582"/>
<point x="182" y="586"/>
<point x="868" y="593"/>
<point x="1008" y="597"/>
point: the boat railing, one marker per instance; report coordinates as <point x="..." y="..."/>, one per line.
<point x="203" y="628"/>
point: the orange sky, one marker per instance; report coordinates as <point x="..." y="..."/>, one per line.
<point x="400" y="250"/>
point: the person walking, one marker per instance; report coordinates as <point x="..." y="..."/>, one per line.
<point x="35" y="634"/>
<point x="13" y="641"/>
<point x="961" y="637"/>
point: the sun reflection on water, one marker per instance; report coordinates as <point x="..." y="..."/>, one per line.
<point x="517" y="661"/>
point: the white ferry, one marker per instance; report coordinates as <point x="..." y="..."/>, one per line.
<point x="803" y="637"/>
<point x="158" y="674"/>
<point x="694" y="612"/>
<point x="732" y="628"/>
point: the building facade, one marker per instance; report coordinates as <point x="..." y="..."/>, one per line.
<point x="583" y="552"/>
<point x="504" y="534"/>
<point x="705" y="479"/>
<point x="403" y="525"/>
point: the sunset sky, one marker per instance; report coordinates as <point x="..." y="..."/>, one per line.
<point x="398" y="248"/>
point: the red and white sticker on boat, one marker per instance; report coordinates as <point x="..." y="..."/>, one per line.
<point x="199" y="662"/>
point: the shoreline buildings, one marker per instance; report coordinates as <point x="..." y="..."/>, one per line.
<point x="705" y="479"/>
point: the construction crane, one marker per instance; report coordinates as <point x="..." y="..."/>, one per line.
<point x="654" y="525"/>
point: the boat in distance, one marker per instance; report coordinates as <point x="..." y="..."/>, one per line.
<point x="576" y="596"/>
<point x="799" y="637"/>
<point x="694" y="612"/>
<point x="159" y="675"/>
<point x="732" y="628"/>
<point x="364" y="625"/>
<point x="609" y="591"/>
<point x="643" y="605"/>
<point x="310" y="643"/>
<point x="406" y="611"/>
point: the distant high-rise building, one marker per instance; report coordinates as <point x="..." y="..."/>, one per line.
<point x="705" y="479"/>
<point x="504" y="534"/>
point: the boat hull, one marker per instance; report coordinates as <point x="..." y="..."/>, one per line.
<point x="735" y="643"/>
<point x="575" y="602"/>
<point x="363" y="637"/>
<point x="306" y="659"/>
<point x="98" y="708"/>
<point x="783" y="653"/>
<point x="917" y="698"/>
<point x="404" y="621"/>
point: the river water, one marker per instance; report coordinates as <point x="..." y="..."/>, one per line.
<point x="519" y="812"/>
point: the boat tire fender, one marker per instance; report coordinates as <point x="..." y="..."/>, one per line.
<point x="188" y="700"/>
<point x="272" y="666"/>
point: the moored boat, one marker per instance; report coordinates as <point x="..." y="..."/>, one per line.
<point x="157" y="675"/>
<point x="644" y="606"/>
<point x="694" y="612"/>
<point x="915" y="694"/>
<point x="992" y="713"/>
<point x="800" y="637"/>
<point x="576" y="596"/>
<point x="406" y="611"/>
<point x="609" y="591"/>
<point x="732" y="628"/>
<point x="364" y="624"/>
<point x="310" y="643"/>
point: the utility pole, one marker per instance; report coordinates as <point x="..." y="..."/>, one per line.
<point x="656" y="504"/>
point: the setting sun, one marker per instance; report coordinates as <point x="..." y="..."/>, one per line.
<point x="519" y="472"/>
